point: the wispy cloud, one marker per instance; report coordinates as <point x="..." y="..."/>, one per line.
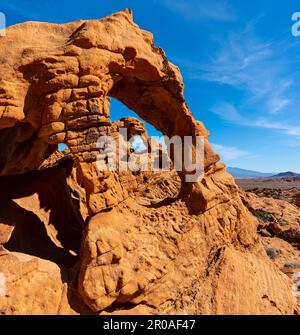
<point x="260" y="68"/>
<point x="202" y="10"/>
<point x="229" y="113"/>
<point x="262" y="76"/>
<point x="229" y="153"/>
<point x="277" y="103"/>
<point x="251" y="64"/>
<point x="138" y="144"/>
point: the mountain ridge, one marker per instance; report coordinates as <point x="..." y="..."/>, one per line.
<point x="248" y="174"/>
<point x="288" y="174"/>
<point x="239" y="173"/>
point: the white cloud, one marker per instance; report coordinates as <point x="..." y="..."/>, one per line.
<point x="138" y="144"/>
<point x="262" y="71"/>
<point x="229" y="113"/>
<point x="201" y="10"/>
<point x="229" y="153"/>
<point x="249" y="63"/>
<point x="276" y="104"/>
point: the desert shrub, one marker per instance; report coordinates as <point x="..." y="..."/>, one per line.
<point x="273" y="253"/>
<point x="292" y="265"/>
<point x="263" y="216"/>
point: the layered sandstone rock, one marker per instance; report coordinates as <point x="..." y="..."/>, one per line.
<point x="29" y="285"/>
<point x="152" y="243"/>
<point x="276" y="217"/>
<point x="279" y="226"/>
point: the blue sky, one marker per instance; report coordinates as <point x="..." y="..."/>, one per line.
<point x="239" y="60"/>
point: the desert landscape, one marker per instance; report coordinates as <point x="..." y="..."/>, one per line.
<point x="76" y="240"/>
<point x="275" y="204"/>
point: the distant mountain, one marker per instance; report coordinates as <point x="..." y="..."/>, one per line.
<point x="288" y="174"/>
<point x="247" y="174"/>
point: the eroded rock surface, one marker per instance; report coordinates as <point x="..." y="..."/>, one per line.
<point x="279" y="227"/>
<point x="144" y="243"/>
<point x="29" y="285"/>
<point x="276" y="217"/>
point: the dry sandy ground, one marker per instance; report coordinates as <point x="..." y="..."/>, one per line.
<point x="247" y="184"/>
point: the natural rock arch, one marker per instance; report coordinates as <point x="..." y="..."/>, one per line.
<point x="68" y="83"/>
<point x="55" y="83"/>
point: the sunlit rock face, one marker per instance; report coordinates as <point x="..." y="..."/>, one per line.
<point x="140" y="242"/>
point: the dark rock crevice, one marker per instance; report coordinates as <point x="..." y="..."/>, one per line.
<point x="58" y="239"/>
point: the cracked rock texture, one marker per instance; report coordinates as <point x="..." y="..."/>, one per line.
<point x="76" y="240"/>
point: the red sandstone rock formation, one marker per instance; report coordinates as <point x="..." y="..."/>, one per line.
<point x="147" y="244"/>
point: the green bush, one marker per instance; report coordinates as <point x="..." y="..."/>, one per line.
<point x="263" y="216"/>
<point x="273" y="253"/>
<point x="292" y="265"/>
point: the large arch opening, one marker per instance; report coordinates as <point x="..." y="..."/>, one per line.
<point x="160" y="184"/>
<point x="161" y="104"/>
<point x="156" y="95"/>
